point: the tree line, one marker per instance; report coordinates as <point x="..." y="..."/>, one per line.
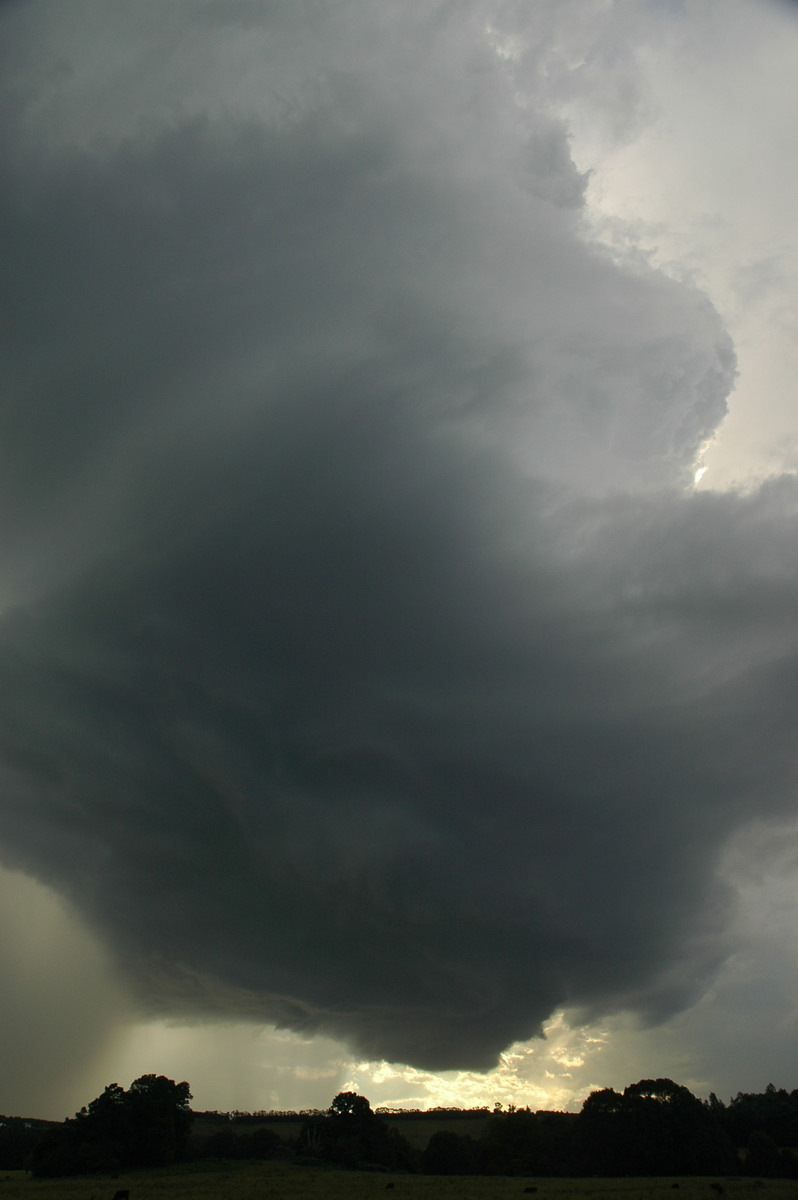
<point x="149" y="1125"/>
<point x="654" y="1127"/>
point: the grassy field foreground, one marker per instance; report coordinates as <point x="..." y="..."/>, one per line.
<point x="284" y="1181"/>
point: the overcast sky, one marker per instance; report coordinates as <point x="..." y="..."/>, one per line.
<point x="399" y="637"/>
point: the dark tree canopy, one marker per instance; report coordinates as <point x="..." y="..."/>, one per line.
<point x="351" y="1135"/>
<point x="774" y="1112"/>
<point x="449" y="1153"/>
<point x="657" y="1127"/>
<point x="147" y="1126"/>
<point x="351" y="1106"/>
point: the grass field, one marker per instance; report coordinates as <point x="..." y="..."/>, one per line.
<point x="285" y="1181"/>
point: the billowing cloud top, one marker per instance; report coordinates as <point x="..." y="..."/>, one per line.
<point x="368" y="664"/>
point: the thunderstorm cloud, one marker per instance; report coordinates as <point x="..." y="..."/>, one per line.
<point x="369" y="665"/>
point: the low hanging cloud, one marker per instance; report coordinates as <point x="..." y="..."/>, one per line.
<point x="368" y="664"/>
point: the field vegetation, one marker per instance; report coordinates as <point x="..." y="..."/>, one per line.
<point x="287" y="1181"/>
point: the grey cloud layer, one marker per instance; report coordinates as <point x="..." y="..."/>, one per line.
<point x="367" y="666"/>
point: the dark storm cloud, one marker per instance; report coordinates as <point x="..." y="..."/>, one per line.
<point x="366" y="665"/>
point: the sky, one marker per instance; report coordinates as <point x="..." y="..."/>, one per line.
<point x="399" y="590"/>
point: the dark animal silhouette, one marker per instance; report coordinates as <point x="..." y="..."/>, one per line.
<point x="718" y="1187"/>
<point x="530" y="1191"/>
<point x="122" y="1194"/>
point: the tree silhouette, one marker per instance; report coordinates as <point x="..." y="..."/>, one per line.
<point x="449" y="1153"/>
<point x="147" y="1126"/>
<point x="657" y="1127"/>
<point x="352" y="1135"/>
<point x="350" y="1106"/>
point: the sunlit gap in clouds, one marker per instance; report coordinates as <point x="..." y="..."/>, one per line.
<point x="701" y="467"/>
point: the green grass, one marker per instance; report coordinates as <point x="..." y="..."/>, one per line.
<point x="286" y="1181"/>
